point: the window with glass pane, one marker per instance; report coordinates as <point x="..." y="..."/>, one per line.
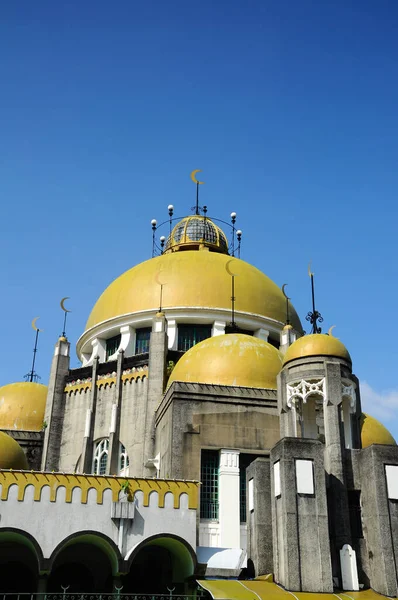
<point x="244" y="461"/>
<point x="101" y="457"/>
<point x="124" y="461"/>
<point x="112" y="345"/>
<point x="189" y="335"/>
<point x="142" y="337"/>
<point x="209" y="488"/>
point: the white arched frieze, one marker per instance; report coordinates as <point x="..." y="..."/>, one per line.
<point x="303" y="389"/>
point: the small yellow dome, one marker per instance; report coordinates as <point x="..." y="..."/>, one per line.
<point x="192" y="280"/>
<point x="316" y="344"/>
<point x="11" y="454"/>
<point x="231" y="359"/>
<point x="22" y="406"/>
<point x="374" y="432"/>
<point x="194" y="231"/>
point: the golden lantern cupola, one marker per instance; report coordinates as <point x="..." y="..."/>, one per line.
<point x="197" y="232"/>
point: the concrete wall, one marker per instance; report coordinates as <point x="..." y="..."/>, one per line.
<point x="49" y="523"/>
<point x="194" y="417"/>
<point x="259" y="519"/>
<point x="134" y="396"/>
<point x="380" y="518"/>
<point x="300" y="519"/>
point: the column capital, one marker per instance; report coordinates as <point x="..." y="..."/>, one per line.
<point x="229" y="460"/>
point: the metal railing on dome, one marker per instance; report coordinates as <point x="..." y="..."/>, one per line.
<point x="199" y="595"/>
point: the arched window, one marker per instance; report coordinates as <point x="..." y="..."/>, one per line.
<point x="124" y="461"/>
<point x="101" y="458"/>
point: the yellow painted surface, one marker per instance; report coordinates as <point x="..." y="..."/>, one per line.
<point x="231" y="359"/>
<point x="86" y="385"/>
<point x="11" y="454"/>
<point x="316" y="344"/>
<point x="100" y="484"/>
<point x="267" y="590"/>
<point x="22" y="405"/>
<point x="192" y="279"/>
<point x="374" y="432"/>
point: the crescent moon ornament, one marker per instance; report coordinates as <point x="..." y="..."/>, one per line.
<point x="62" y="303"/>
<point x="34" y="324"/>
<point x="283" y="291"/>
<point x="157" y="278"/>
<point x="194" y="178"/>
<point x="330" y="330"/>
<point x="228" y="270"/>
<point x="309" y="270"/>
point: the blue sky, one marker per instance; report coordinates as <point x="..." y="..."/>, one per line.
<point x="290" y="109"/>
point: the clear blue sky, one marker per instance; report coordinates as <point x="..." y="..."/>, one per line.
<point x="290" y="109"/>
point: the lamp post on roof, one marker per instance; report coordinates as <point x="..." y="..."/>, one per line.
<point x="153" y="223"/>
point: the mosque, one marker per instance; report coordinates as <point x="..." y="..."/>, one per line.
<point x="205" y="443"/>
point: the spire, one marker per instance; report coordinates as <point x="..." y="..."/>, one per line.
<point x="233" y="327"/>
<point x="32" y="375"/>
<point x="196" y="208"/>
<point x="287" y="304"/>
<point x="66" y="311"/>
<point x="314" y="316"/>
<point x="287" y="335"/>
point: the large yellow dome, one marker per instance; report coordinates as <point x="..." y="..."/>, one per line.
<point x="316" y="344"/>
<point x="11" y="454"/>
<point x="22" y="406"/>
<point x="197" y="279"/>
<point x="231" y="359"/>
<point x="374" y="432"/>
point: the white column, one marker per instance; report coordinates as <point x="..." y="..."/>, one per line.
<point x="229" y="514"/>
<point x="172" y="334"/>
<point x="127" y="343"/>
<point x="262" y="334"/>
<point x="218" y="328"/>
<point x="99" y="349"/>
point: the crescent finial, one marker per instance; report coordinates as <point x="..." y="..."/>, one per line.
<point x="194" y="178"/>
<point x="283" y="291"/>
<point x="34" y="326"/>
<point x="157" y="278"/>
<point x="330" y="330"/>
<point x="228" y="270"/>
<point x="309" y="269"/>
<point x="62" y="304"/>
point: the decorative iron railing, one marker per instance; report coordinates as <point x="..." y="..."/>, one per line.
<point x="200" y="595"/>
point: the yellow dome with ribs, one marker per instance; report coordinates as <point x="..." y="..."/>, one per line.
<point x="11" y="454"/>
<point x="22" y="406"/>
<point x="193" y="279"/>
<point x="231" y="359"/>
<point x="374" y="432"/>
<point x="316" y="344"/>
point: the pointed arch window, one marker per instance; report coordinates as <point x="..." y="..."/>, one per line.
<point x="124" y="461"/>
<point x="101" y="458"/>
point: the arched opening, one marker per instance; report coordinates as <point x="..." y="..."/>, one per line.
<point x="19" y="565"/>
<point x="86" y="563"/>
<point x="346" y="420"/>
<point x="159" y="565"/>
<point x="312" y="423"/>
